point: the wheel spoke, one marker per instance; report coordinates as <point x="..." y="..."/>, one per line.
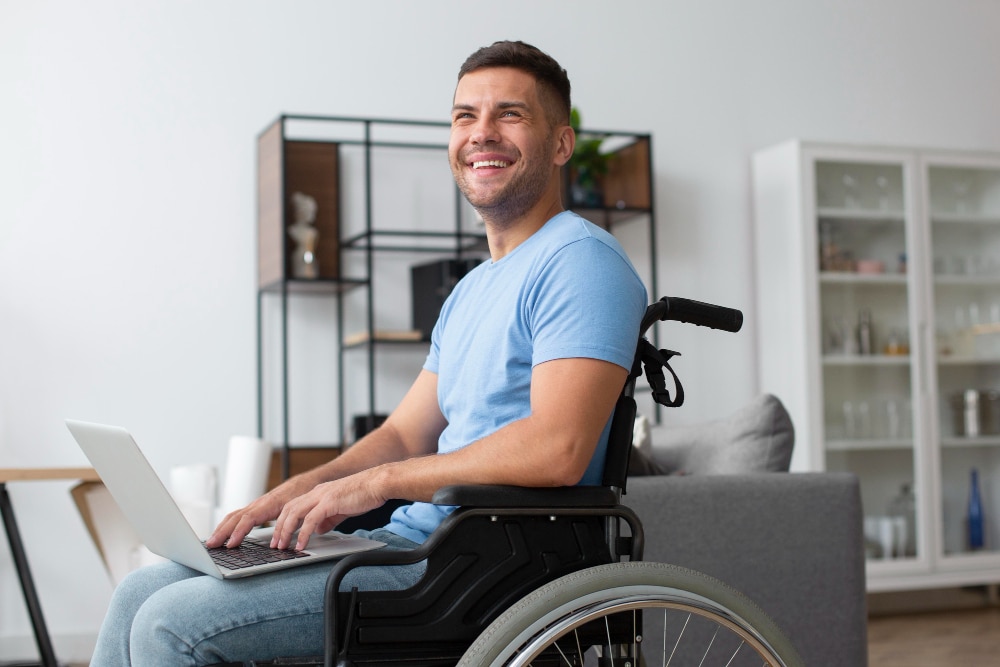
<point x="716" y="634"/>
<point x="611" y="652"/>
<point x="735" y="652"/>
<point x="677" y="643"/>
<point x="664" y="638"/>
<point x="563" y="655"/>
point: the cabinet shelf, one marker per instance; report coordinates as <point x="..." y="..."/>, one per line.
<point x="611" y="216"/>
<point x="417" y="241"/>
<point x="362" y="339"/>
<point x="313" y="285"/>
<point x="973" y="219"/>
<point x="862" y="216"/>
<point x="868" y="445"/>
<point x="859" y="360"/>
<point x="825" y="206"/>
<point x="945" y="280"/>
<point x="854" y="278"/>
<point x="967" y="360"/>
<point x="963" y="441"/>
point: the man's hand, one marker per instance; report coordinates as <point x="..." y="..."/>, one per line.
<point x="312" y="503"/>
<point x="325" y="506"/>
<point x="235" y="526"/>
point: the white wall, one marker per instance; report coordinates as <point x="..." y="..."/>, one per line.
<point x="127" y="247"/>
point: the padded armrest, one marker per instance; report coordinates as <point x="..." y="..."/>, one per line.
<point x="520" y="496"/>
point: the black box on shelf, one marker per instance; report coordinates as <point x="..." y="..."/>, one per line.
<point x="432" y="283"/>
<point x="365" y="424"/>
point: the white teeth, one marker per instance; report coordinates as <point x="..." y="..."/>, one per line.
<point x="490" y="163"/>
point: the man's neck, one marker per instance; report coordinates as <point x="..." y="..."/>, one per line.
<point x="505" y="235"/>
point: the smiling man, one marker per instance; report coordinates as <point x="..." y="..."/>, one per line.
<point x="526" y="361"/>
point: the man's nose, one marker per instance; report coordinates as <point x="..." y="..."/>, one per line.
<point x="485" y="131"/>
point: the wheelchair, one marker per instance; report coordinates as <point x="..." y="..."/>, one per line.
<point x="552" y="577"/>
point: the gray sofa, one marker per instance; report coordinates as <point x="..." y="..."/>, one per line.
<point x="791" y="542"/>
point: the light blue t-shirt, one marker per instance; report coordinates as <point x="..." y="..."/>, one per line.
<point x="567" y="291"/>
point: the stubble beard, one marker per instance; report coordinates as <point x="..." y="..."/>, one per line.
<point x="506" y="205"/>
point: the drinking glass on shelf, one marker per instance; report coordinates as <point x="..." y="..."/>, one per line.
<point x="961" y="191"/>
<point x="850" y="190"/>
<point x="839" y="339"/>
<point x="850" y="421"/>
<point x="973" y="314"/>
<point x="962" y="343"/>
<point x="864" y="420"/>
<point x="893" y="426"/>
<point x="882" y="190"/>
<point x="896" y="415"/>
<point x="857" y="420"/>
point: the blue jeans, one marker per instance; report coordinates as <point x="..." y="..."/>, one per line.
<point x="169" y="614"/>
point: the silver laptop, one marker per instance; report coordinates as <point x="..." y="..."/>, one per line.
<point x="158" y="520"/>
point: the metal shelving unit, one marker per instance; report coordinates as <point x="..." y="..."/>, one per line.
<point x="339" y="161"/>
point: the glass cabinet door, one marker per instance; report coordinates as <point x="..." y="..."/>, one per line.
<point x="963" y="206"/>
<point x="865" y="291"/>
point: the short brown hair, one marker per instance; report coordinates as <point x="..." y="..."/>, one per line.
<point x="551" y="77"/>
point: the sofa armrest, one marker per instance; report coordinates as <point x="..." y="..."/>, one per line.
<point x="790" y="542"/>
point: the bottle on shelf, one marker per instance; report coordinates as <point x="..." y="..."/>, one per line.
<point x="975" y="513"/>
<point x="903" y="509"/>
<point x="865" y="335"/>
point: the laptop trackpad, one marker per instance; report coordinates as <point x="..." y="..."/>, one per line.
<point x="332" y="543"/>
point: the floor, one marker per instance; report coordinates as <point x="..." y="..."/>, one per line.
<point x="935" y="639"/>
<point x="949" y="638"/>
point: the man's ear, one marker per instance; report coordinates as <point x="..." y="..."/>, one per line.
<point x="566" y="138"/>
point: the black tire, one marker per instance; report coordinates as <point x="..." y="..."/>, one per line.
<point x="560" y="610"/>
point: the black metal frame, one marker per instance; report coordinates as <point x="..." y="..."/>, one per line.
<point x="42" y="639"/>
<point x="463" y="243"/>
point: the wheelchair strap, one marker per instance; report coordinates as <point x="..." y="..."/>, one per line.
<point x="654" y="361"/>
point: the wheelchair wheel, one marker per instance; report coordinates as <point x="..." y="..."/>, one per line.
<point x="632" y="614"/>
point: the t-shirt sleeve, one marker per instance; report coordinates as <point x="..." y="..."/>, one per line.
<point x="588" y="302"/>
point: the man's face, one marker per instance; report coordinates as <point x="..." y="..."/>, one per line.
<point x="502" y="149"/>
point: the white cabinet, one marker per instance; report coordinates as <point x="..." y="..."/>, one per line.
<point x="878" y="322"/>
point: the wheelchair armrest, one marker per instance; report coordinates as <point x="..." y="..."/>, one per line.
<point x="473" y="495"/>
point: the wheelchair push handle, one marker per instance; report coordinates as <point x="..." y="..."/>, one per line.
<point x="693" y="312"/>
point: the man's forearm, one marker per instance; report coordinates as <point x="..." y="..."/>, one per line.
<point x="378" y="447"/>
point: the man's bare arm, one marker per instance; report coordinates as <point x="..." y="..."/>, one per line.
<point x="411" y="430"/>
<point x="571" y="402"/>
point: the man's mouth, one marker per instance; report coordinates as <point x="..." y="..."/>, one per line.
<point x="482" y="164"/>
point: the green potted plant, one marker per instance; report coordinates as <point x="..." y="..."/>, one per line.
<point x="587" y="166"/>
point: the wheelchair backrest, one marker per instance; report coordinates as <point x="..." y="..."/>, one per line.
<point x="654" y="362"/>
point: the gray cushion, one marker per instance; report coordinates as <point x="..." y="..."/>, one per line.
<point x="758" y="437"/>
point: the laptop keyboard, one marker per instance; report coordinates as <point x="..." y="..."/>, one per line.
<point x="249" y="554"/>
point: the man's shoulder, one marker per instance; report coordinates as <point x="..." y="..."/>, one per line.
<point x="568" y="227"/>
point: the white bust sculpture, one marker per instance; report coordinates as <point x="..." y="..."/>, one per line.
<point x="305" y="264"/>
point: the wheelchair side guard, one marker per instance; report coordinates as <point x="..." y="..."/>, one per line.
<point x="492" y="558"/>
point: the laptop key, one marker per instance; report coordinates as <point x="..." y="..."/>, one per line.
<point x="251" y="553"/>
